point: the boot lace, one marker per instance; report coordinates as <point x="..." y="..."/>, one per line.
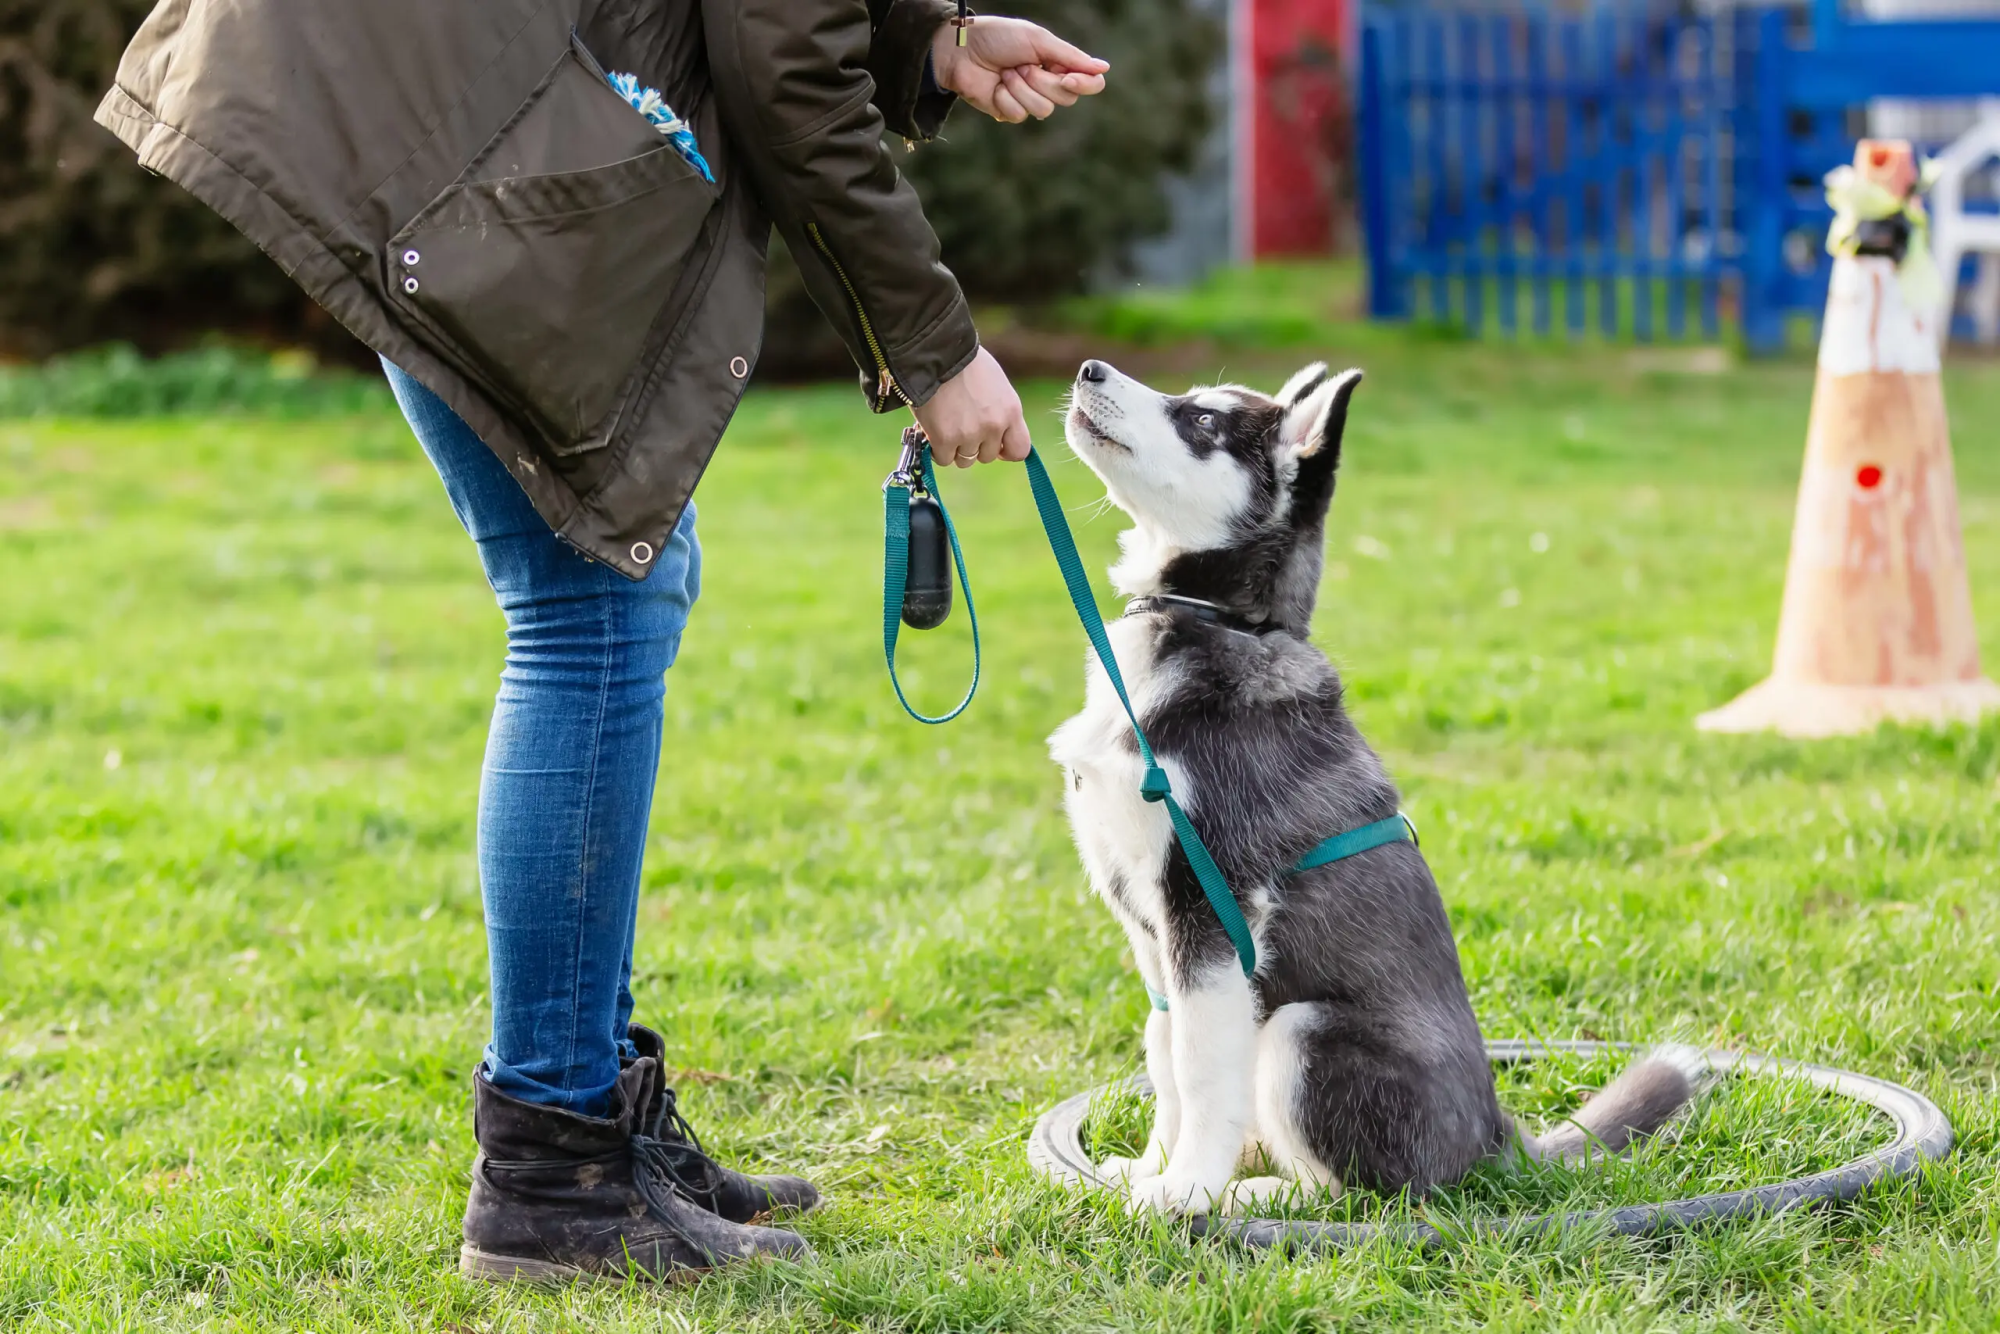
<point x="668" y="1159"/>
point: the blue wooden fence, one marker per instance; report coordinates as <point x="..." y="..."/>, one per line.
<point x="1642" y="172"/>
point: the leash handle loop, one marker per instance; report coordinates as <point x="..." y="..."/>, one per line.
<point x="1155" y="786"/>
<point x="896" y="563"/>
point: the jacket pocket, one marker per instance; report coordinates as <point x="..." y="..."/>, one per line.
<point x="550" y="279"/>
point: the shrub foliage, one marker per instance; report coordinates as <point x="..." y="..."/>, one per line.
<point x="1030" y="212"/>
<point x="1033" y="211"/>
<point x="91" y="247"/>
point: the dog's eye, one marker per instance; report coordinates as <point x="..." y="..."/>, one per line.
<point x="1205" y="421"/>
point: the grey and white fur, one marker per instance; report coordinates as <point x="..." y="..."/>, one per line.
<point x="1352" y="1054"/>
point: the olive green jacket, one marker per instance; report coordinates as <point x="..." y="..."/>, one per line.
<point x="459" y="185"/>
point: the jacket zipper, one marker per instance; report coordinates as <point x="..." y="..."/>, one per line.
<point x="884" y="380"/>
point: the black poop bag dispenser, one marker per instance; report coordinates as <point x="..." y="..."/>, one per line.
<point x="927" y="589"/>
<point x="919" y="553"/>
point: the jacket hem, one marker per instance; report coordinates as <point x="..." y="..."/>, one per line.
<point x="166" y="151"/>
<point x="593" y="524"/>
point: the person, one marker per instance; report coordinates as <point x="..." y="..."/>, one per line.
<point x="550" y="217"/>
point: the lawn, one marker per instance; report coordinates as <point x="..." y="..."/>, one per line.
<point x="245" y="667"/>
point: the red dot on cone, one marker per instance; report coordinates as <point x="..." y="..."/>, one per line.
<point x="1868" y="476"/>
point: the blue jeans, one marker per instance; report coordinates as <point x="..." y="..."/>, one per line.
<point x="570" y="762"/>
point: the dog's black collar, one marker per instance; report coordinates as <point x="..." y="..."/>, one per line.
<point x="1201" y="611"/>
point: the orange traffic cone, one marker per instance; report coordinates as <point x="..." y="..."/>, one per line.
<point x="1877" y="620"/>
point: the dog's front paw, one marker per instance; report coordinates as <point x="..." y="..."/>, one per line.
<point x="1173" y="1193"/>
<point x="1122" y="1171"/>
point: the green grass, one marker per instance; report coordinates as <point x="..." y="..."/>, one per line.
<point x="245" y="666"/>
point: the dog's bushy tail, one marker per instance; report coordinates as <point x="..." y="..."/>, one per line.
<point x="1644" y="1097"/>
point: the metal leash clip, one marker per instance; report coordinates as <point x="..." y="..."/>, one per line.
<point x="909" y="473"/>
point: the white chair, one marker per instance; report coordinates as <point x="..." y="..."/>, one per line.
<point x="1956" y="233"/>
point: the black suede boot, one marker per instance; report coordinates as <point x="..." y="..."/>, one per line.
<point x="735" y="1196"/>
<point x="558" y="1196"/>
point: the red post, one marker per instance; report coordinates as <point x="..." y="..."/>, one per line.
<point x="1301" y="130"/>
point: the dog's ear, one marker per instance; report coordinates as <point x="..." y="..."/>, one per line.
<point x="1315" y="421"/>
<point x="1302" y="384"/>
<point x="1311" y="435"/>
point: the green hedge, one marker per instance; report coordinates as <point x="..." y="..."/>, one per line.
<point x="116" y="381"/>
<point x="93" y="249"/>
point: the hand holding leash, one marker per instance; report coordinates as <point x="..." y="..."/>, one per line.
<point x="975" y="416"/>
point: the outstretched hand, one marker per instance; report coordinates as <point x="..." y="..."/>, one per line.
<point x="1012" y="69"/>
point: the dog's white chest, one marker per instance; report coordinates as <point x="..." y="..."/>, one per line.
<point x="1122" y="838"/>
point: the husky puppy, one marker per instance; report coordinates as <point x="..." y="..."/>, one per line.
<point x="1352" y="1054"/>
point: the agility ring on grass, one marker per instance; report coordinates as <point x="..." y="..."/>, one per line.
<point x="1055" y="1149"/>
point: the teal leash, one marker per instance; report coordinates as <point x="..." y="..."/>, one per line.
<point x="1155" y="785"/>
<point x="1396" y="829"/>
<point x="916" y="475"/>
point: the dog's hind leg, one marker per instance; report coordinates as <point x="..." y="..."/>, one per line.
<point x="1281" y="1067"/>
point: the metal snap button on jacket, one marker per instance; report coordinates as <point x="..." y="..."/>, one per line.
<point x="410" y="259"/>
<point x="410" y="285"/>
<point x="642" y="552"/>
<point x="738" y="367"/>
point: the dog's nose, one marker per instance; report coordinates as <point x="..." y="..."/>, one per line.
<point x="1094" y="372"/>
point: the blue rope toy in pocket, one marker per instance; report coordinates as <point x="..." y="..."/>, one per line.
<point x="648" y="103"/>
